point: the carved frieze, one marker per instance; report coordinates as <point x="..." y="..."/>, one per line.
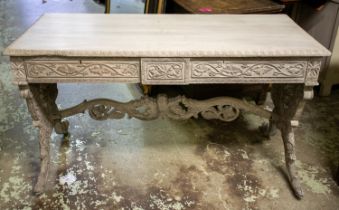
<point x="313" y="69"/>
<point x="244" y="69"/>
<point x="168" y="70"/>
<point x="60" y="69"/>
<point x="163" y="71"/>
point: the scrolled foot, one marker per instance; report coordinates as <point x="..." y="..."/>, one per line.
<point x="298" y="191"/>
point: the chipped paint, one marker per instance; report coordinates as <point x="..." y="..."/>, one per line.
<point x="272" y="193"/>
<point x="313" y="178"/>
<point x="162" y="204"/>
<point x="116" y="198"/>
<point x="14" y="191"/>
<point x="10" y="113"/>
<point x="243" y="154"/>
<point x="68" y="179"/>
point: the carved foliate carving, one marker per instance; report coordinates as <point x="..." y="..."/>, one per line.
<point x="179" y="108"/>
<point x="18" y="69"/>
<point x="83" y="70"/>
<point x="256" y="69"/>
<point x="163" y="71"/>
<point x="313" y="69"/>
<point x="102" y="109"/>
<point x="182" y="108"/>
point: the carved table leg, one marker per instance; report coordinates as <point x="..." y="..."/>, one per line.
<point x="40" y="100"/>
<point x="286" y="99"/>
<point x="44" y="141"/>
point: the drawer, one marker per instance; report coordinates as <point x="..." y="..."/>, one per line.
<point x="82" y="68"/>
<point x="164" y="71"/>
<point x="249" y="71"/>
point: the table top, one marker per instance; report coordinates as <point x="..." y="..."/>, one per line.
<point x="139" y="35"/>
<point x="231" y="6"/>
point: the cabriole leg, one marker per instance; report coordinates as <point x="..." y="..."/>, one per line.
<point x="286" y="99"/>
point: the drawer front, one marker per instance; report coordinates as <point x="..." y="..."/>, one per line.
<point x="123" y="69"/>
<point x="164" y="70"/>
<point x="251" y="71"/>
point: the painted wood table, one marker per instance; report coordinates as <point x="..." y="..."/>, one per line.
<point x="165" y="49"/>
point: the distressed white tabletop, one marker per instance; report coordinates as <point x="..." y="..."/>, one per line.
<point x="138" y="35"/>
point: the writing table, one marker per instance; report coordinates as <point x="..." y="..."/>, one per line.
<point x="165" y="49"/>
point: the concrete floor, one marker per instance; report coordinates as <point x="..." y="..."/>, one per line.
<point x="130" y="164"/>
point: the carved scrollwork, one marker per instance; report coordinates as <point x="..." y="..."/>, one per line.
<point x="185" y="108"/>
<point x="165" y="71"/>
<point x="179" y="108"/>
<point x="102" y="109"/>
<point x="222" y="112"/>
<point x="219" y="69"/>
<point x="60" y="69"/>
<point x="102" y="112"/>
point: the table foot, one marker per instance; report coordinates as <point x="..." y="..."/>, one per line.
<point x="286" y="99"/>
